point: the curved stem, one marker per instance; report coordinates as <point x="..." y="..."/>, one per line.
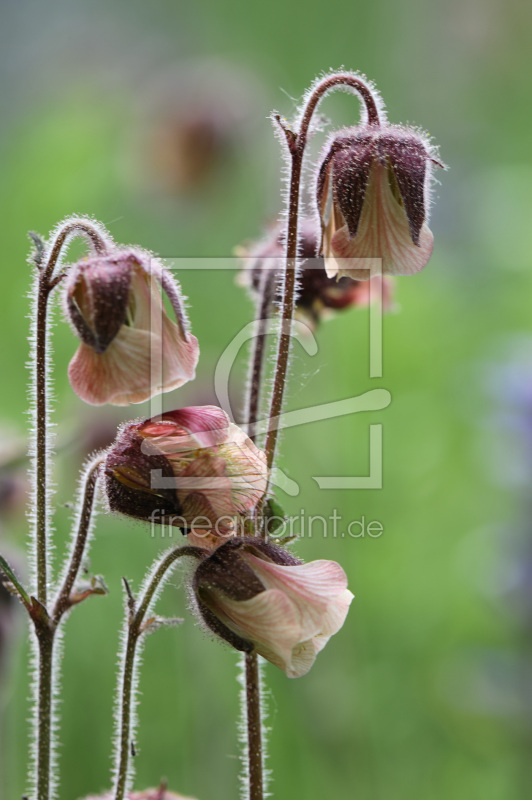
<point x="93" y="233"/>
<point x="338" y="80"/>
<point x="296" y="149"/>
<point x="45" y="286"/>
<point x="45" y="631"/>
<point x="128" y="676"/>
<point x="63" y="601"/>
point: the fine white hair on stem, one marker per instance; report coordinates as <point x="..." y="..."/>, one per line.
<point x="358" y="76"/>
<point x="45" y="679"/>
<point x="119" y="711"/>
<point x="60" y="238"/>
<point x="126" y="702"/>
<point x="55" y="717"/>
<point x="243" y="729"/>
<point x="83" y="520"/>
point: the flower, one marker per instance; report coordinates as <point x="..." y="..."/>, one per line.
<point x="373" y="195"/>
<point x="259" y="597"/>
<point x="318" y="293"/>
<point x="192" y="468"/>
<point x="115" y="307"/>
<point x="161" y="793"/>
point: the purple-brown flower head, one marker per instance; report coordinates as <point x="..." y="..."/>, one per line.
<point x="191" y="468"/>
<point x="373" y="197"/>
<point x="318" y="294"/>
<point x="259" y="597"/>
<point x="115" y="306"/>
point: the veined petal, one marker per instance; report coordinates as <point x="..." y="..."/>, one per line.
<point x="269" y="620"/>
<point x="318" y="591"/>
<point x="123" y="373"/>
<point x="383" y="233"/>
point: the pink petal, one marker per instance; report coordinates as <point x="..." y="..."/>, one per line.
<point x="383" y="233"/>
<point x="122" y="374"/>
<point x="269" y="620"/>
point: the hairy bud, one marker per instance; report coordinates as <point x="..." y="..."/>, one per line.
<point x="114" y="305"/>
<point x="258" y="597"/>
<point x="191" y="468"/>
<point x="318" y="294"/>
<point x="373" y="195"/>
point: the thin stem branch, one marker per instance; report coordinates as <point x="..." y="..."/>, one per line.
<point x="41" y="436"/>
<point x="46" y="282"/>
<point x="295" y="144"/>
<point x="128" y="673"/>
<point x="254" y="727"/>
<point x="296" y="151"/>
<point x="252" y="707"/>
<point x="63" y="601"/>
<point x="264" y="304"/>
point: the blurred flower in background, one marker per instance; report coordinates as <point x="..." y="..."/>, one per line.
<point x="193" y="120"/>
<point x="319" y="296"/>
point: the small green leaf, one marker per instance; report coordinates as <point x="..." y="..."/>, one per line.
<point x="276" y="508"/>
<point x="275" y="515"/>
<point x="4" y="566"/>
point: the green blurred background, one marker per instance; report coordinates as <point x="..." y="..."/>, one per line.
<point x="426" y="691"/>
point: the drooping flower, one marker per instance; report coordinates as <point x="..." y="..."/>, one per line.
<point x="130" y="348"/>
<point x="192" y="468"/>
<point x="318" y="294"/>
<point x="258" y="597"/>
<point x="373" y="196"/>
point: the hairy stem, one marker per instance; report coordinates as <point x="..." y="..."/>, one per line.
<point x="252" y="709"/>
<point x="45" y="285"/>
<point x="63" y="601"/>
<point x="254" y="727"/>
<point x="128" y="671"/>
<point x="41" y="455"/>
<point x="264" y="304"/>
<point x="296" y="147"/>
<point x="45" y="641"/>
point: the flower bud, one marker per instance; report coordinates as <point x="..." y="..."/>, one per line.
<point x="258" y="597"/>
<point x="318" y="294"/>
<point x="373" y="195"/>
<point x="191" y="468"/>
<point x="115" y="307"/>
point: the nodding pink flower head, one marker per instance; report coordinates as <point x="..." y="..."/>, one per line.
<point x="192" y="468"/>
<point x="115" y="307"/>
<point x="260" y="598"/>
<point x="318" y="295"/>
<point x="373" y="195"/>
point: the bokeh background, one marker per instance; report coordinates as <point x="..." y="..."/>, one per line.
<point x="153" y="118"/>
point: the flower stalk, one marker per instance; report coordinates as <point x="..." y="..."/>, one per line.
<point x="296" y="143"/>
<point x="135" y="628"/>
<point x="47" y="279"/>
